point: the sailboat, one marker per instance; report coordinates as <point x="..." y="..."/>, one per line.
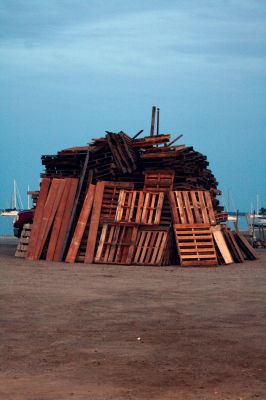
<point x="15" y="201"/>
<point x="256" y="219"/>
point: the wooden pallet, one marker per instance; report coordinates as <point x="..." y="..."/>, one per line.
<point x="139" y="207"/>
<point x="158" y="181"/>
<point x="104" y="209"/>
<point x="192" y="207"/>
<point x="110" y="198"/>
<point x="150" y="246"/>
<point x="116" y="245"/>
<point x="23" y="243"/>
<point x="195" y="244"/>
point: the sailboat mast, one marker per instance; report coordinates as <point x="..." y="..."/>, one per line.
<point x="28" y="198"/>
<point x="14" y="205"/>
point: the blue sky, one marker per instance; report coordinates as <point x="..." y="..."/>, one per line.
<point x="69" y="70"/>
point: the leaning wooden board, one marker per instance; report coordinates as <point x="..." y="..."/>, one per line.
<point x="221" y="243"/>
<point x="61" y="222"/>
<point x="81" y="224"/>
<point x="36" y="226"/>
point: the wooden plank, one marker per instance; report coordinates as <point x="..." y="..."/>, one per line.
<point x="129" y="205"/>
<point x="57" y="222"/>
<point x="140" y="242"/>
<point x="144" y="247"/>
<point x="107" y="256"/>
<point x="152" y="208"/>
<point x="172" y="201"/>
<point x="101" y="243"/>
<point x="159" y="209"/>
<point x="95" y="218"/>
<point x="195" y="205"/>
<point x="245" y="246"/>
<point x="45" y="184"/>
<point x="210" y="210"/>
<point x="132" y="245"/>
<point x="140" y="207"/>
<point x="180" y="206"/>
<point x="199" y="263"/>
<point x="161" y="249"/>
<point x="187" y="211"/>
<point x="50" y="208"/>
<point x="221" y="243"/>
<point x="81" y="224"/>
<point x="114" y="243"/>
<point x="203" y="208"/>
<point x="132" y="208"/>
<point x="237" y="250"/>
<point x="144" y="214"/>
<point x="74" y="209"/>
<point x="157" y="246"/>
<point x="120" y="205"/>
<point x="58" y="253"/>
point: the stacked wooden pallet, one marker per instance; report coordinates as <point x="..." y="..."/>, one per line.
<point x="122" y="200"/>
<point x="118" y="224"/>
<point x="23" y="243"/>
<point x="118" y="157"/>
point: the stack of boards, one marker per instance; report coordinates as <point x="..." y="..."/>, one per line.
<point x="114" y="222"/>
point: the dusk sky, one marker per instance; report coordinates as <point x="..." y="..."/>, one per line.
<point x="69" y="70"/>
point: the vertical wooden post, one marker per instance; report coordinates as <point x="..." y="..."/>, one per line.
<point x="153" y="120"/>
<point x="158" y="121"/>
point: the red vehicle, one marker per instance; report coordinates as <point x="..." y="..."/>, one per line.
<point x="23" y="217"/>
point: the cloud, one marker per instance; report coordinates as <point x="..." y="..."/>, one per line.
<point x="185" y="37"/>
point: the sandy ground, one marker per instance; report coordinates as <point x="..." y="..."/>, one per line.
<point x="120" y="332"/>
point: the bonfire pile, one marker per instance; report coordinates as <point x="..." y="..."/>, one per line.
<point x="140" y="200"/>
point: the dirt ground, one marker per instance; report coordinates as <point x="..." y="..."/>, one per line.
<point x="100" y="332"/>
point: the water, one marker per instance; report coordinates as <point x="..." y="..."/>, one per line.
<point x="6" y="226"/>
<point x="242" y="223"/>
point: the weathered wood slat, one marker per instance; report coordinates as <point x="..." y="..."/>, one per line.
<point x="245" y="246"/>
<point x="95" y="219"/>
<point x="45" y="184"/>
<point x="81" y="224"/>
<point x="50" y="209"/>
<point x="221" y="243"/>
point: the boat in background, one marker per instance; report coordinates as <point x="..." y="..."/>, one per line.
<point x="16" y="203"/>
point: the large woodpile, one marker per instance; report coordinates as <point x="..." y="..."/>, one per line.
<point x="140" y="200"/>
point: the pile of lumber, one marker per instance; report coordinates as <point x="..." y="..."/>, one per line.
<point x="139" y="201"/>
<point x="117" y="157"/>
